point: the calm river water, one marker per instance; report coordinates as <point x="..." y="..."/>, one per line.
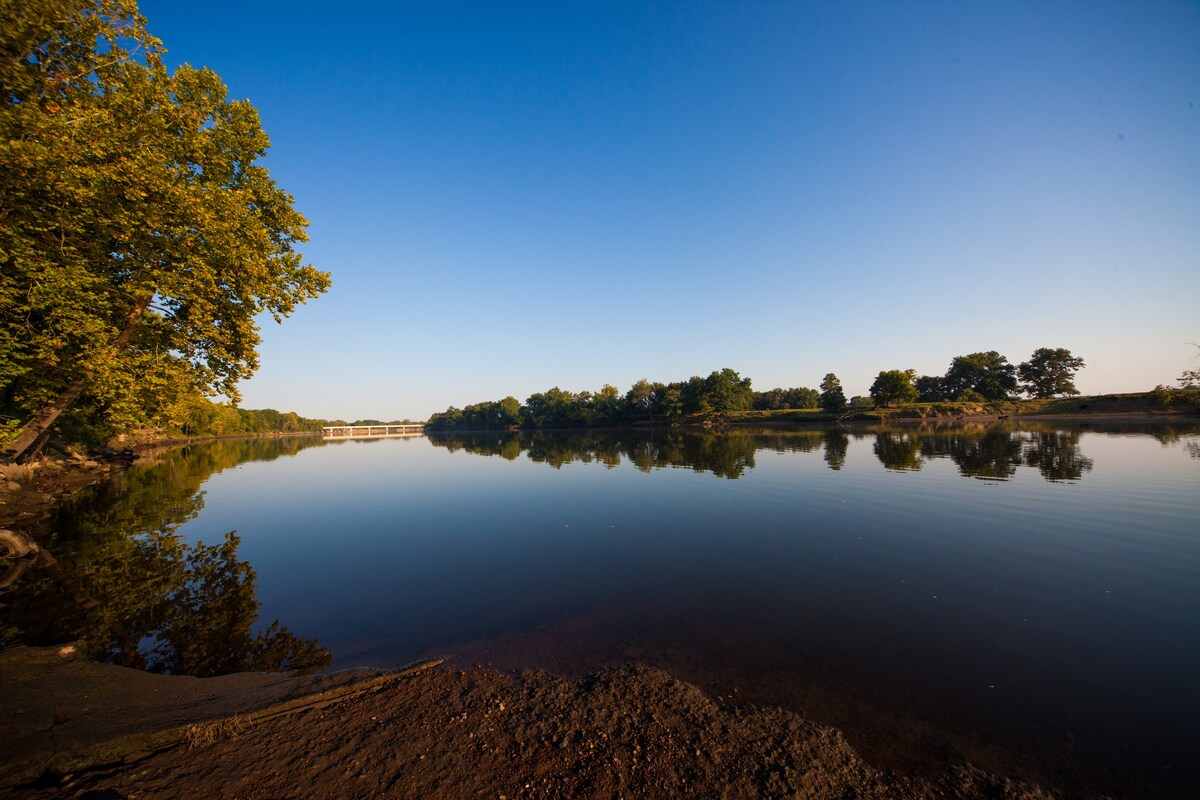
<point x="1027" y="596"/>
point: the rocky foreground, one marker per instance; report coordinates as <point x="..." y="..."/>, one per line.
<point x="88" y="730"/>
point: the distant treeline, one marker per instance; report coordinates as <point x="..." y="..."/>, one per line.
<point x="221" y="419"/>
<point x="970" y="378"/>
<point x="721" y="392"/>
<point x="207" y="418"/>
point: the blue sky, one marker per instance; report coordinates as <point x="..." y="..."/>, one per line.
<point x="514" y="197"/>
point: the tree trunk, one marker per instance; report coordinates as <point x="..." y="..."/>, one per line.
<point x="22" y="447"/>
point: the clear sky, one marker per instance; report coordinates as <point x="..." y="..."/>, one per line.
<point x="512" y="197"/>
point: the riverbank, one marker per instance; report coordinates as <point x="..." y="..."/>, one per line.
<point x="431" y="732"/>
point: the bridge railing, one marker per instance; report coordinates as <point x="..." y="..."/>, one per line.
<point x="335" y="431"/>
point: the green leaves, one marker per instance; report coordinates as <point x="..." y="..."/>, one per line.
<point x="1049" y="372"/>
<point x="987" y="374"/>
<point x="721" y="392"/>
<point x="122" y="182"/>
<point x="833" y="399"/>
<point x="894" y="386"/>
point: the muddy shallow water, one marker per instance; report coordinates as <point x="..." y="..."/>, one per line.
<point x="1022" y="596"/>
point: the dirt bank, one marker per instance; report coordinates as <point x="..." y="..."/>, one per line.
<point x="443" y="733"/>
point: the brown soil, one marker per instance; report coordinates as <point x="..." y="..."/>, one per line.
<point x="444" y="733"/>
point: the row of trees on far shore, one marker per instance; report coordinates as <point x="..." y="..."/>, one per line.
<point x="980" y="377"/>
<point x="721" y="392"/>
<point x="222" y="419"/>
<point x="974" y="377"/>
<point x="207" y="418"/>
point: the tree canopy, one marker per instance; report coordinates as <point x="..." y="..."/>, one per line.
<point x="930" y="389"/>
<point x="779" y="398"/>
<point x="987" y="374"/>
<point x="139" y="235"/>
<point x="1049" y="372"/>
<point x="894" y="386"/>
<point x="721" y="392"/>
<point x="832" y="396"/>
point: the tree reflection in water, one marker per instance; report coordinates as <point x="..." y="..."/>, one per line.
<point x="987" y="451"/>
<point x="899" y="450"/>
<point x="726" y="454"/>
<point x="992" y="453"/>
<point x="1056" y="455"/>
<point x="837" y="442"/>
<point x="128" y="586"/>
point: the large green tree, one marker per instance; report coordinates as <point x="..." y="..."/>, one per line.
<point x="727" y="391"/>
<point x="1049" y="372"/>
<point x="832" y="397"/>
<point x="139" y="235"/>
<point x="930" y="389"/>
<point x="988" y="374"/>
<point x="894" y="386"/>
<point x="642" y="397"/>
<point x="798" y="397"/>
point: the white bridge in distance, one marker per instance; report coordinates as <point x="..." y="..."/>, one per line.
<point x="372" y="431"/>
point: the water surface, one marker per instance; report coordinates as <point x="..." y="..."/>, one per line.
<point x="1023" y="596"/>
